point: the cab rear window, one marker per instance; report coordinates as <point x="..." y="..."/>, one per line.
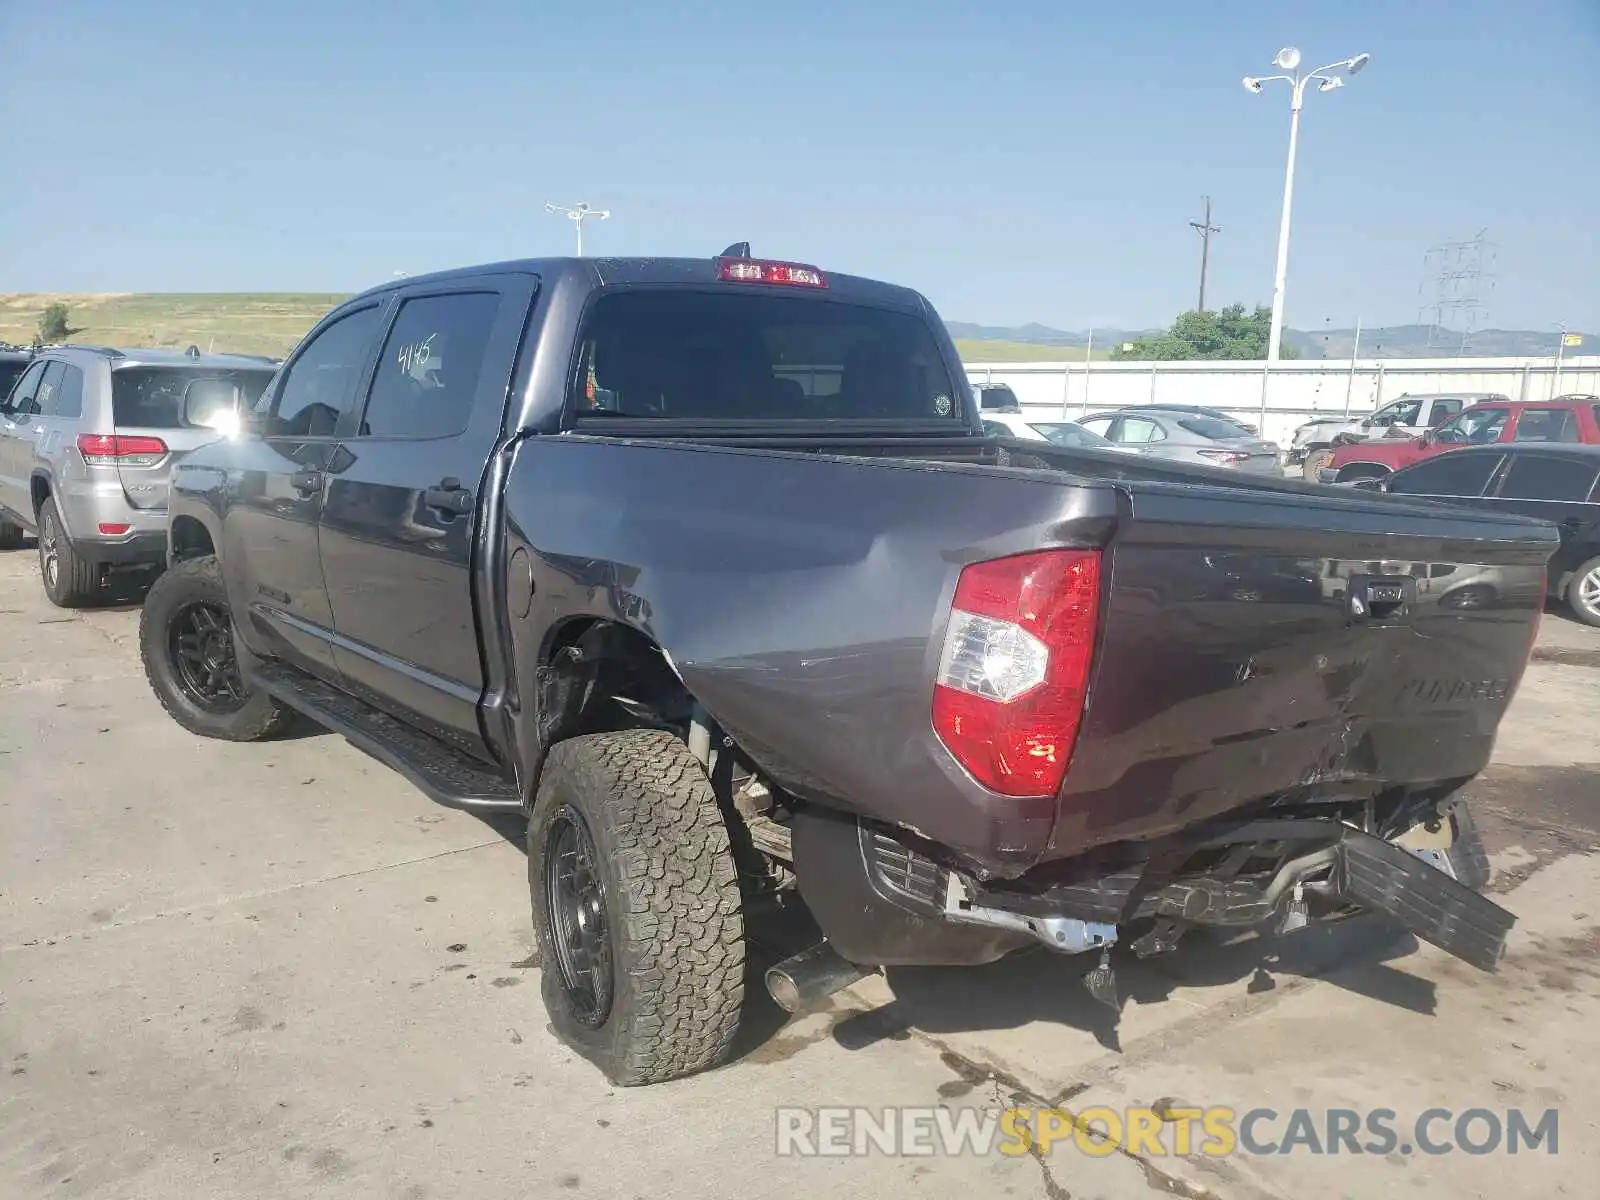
<point x="156" y="397"/>
<point x="709" y="356"/>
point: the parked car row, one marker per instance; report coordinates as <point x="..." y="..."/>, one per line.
<point x="1313" y="442"/>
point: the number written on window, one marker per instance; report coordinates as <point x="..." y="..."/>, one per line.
<point x="428" y="374"/>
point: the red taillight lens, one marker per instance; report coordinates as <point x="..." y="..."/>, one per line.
<point x="114" y="450"/>
<point x="752" y="270"/>
<point x="1014" y="673"/>
<point x="113" y="528"/>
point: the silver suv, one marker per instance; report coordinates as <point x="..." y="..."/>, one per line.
<point x="88" y="437"/>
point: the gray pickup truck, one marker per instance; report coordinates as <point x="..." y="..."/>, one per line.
<point x="706" y="567"/>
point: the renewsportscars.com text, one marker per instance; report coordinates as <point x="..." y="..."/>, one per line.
<point x="1216" y="1132"/>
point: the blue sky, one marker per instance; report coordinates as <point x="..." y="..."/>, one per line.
<point x="1033" y="160"/>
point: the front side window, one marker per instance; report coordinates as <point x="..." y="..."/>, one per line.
<point x="321" y="384"/>
<point x="1138" y="430"/>
<point x="1447" y="475"/>
<point x="21" y="400"/>
<point x="1401" y="412"/>
<point x="1545" y="477"/>
<point x="1475" y="427"/>
<point x="11" y="370"/>
<point x="428" y="372"/>
<point x="745" y="355"/>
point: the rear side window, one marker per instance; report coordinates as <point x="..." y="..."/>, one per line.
<point x="752" y="356"/>
<point x="1547" y="425"/>
<point x="1544" y="477"/>
<point x="1448" y="475"/>
<point x="156" y="397"/>
<point x="428" y="373"/>
<point x="66" y="401"/>
<point x="1210" y="427"/>
<point x="321" y="383"/>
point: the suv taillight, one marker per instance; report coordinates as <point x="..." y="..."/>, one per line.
<point x="1014" y="673"/>
<point x="114" y="450"/>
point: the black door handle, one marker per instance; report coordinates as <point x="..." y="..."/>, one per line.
<point x="306" y="482"/>
<point x="449" y="497"/>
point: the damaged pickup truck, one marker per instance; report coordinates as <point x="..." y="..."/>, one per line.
<point x="706" y="567"/>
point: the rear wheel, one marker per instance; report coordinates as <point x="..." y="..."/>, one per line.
<point x="1583" y="592"/>
<point x="186" y="643"/>
<point x="636" y="906"/>
<point x="70" y="581"/>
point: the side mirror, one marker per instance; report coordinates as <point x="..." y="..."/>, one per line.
<point x="212" y="404"/>
<point x="1428" y="438"/>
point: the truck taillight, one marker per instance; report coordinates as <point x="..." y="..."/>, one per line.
<point x="1014" y="673"/>
<point x="114" y="450"/>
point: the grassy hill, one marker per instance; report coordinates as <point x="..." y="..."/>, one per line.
<point x="266" y="323"/>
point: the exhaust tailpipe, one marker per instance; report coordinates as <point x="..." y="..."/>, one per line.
<point x="809" y="976"/>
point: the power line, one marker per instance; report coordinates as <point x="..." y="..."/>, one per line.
<point x="1458" y="272"/>
<point x="1205" y="229"/>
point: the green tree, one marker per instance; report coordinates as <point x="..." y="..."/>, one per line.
<point x="53" y="323"/>
<point x="1229" y="333"/>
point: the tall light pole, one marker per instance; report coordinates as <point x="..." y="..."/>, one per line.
<point x="578" y="214"/>
<point x="1328" y="78"/>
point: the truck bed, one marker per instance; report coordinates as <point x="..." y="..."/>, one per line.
<point x="801" y="588"/>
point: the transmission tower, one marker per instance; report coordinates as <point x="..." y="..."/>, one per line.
<point x="1456" y="278"/>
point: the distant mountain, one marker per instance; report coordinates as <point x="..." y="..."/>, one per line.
<point x="1389" y="341"/>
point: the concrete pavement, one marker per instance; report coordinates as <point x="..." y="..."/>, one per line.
<point x="276" y="969"/>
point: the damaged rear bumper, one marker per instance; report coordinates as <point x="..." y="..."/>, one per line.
<point x="881" y="901"/>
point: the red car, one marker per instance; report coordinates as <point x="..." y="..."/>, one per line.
<point x="1565" y="419"/>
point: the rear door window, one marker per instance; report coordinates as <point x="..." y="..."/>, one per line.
<point x="1459" y="474"/>
<point x="1442" y="411"/>
<point x="428" y="373"/>
<point x="1547" y="425"/>
<point x="66" y="399"/>
<point x="49" y="386"/>
<point x="157" y="397"/>
<point x="684" y="354"/>
<point x="1546" y="477"/>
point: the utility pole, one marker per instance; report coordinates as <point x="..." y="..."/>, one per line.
<point x="1205" y="229"/>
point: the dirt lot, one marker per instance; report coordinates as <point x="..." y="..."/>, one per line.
<point x="277" y="970"/>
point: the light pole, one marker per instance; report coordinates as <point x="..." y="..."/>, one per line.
<point x="1288" y="60"/>
<point x="578" y="214"/>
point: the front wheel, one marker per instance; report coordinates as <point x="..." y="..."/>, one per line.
<point x="1583" y="592"/>
<point x="636" y="906"/>
<point x="1316" y="459"/>
<point x="186" y="643"/>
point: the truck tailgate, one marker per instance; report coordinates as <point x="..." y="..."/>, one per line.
<point x="1303" y="645"/>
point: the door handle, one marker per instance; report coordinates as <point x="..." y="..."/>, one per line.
<point x="449" y="496"/>
<point x="306" y="482"/>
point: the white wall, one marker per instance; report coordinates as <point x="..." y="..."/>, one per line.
<point x="1294" y="391"/>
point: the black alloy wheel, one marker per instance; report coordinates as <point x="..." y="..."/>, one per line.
<point x="576" y="898"/>
<point x="200" y="641"/>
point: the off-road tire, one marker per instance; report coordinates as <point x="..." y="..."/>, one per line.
<point x="10" y="535"/>
<point x="673" y="916"/>
<point x="77" y="580"/>
<point x="1574" y="597"/>
<point x="198" y="579"/>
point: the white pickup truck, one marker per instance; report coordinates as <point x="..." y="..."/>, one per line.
<point x="1407" y="417"/>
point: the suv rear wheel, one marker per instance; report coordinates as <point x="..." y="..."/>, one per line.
<point x="1583" y="592"/>
<point x="636" y="906"/>
<point x="186" y="644"/>
<point x="70" y="581"/>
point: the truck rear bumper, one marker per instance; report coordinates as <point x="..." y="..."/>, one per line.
<point x="883" y="902"/>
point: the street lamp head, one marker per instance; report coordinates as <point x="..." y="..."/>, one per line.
<point x="1287" y="59"/>
<point x="1252" y="84"/>
<point x="1355" y="65"/>
<point x="1328" y="84"/>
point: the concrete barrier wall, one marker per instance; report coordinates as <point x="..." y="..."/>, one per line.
<point x="1293" y="392"/>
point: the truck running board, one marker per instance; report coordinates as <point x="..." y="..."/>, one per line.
<point x="443" y="773"/>
<point x="1383" y="877"/>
